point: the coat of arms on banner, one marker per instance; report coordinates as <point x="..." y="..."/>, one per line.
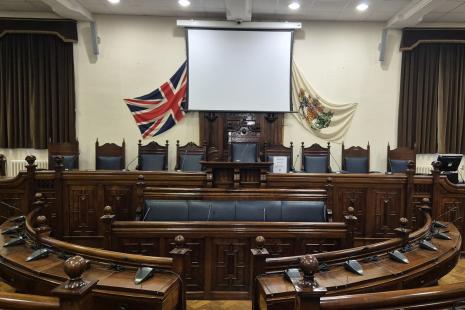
<point x="313" y="112"/>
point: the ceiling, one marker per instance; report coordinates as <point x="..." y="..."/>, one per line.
<point x="341" y="10"/>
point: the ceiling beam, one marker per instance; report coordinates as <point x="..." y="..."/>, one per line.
<point x="413" y="13"/>
<point x="239" y="10"/>
<point x="71" y="9"/>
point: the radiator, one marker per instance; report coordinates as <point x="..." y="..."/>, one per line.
<point x="15" y="166"/>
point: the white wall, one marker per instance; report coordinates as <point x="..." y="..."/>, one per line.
<point x="139" y="53"/>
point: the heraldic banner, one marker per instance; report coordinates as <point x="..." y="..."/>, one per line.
<point x="324" y="119"/>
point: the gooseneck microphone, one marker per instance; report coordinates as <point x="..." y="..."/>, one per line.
<point x="127" y="167"/>
<point x="295" y="162"/>
<point x="209" y="212"/>
<point x="337" y="164"/>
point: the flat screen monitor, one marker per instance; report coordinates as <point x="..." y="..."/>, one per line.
<point x="239" y="70"/>
<point x="449" y="162"/>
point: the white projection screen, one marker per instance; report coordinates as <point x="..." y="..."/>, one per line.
<point x="239" y="70"/>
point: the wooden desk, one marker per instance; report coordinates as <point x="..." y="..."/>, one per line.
<point x="236" y="174"/>
<point x="425" y="267"/>
<point x="114" y="289"/>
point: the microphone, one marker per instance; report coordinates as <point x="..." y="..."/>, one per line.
<point x="182" y="162"/>
<point x="146" y="214"/>
<point x="127" y="167"/>
<point x="209" y="212"/>
<point x="295" y="162"/>
<point x="264" y="214"/>
<point x="390" y="167"/>
<point x="11" y="207"/>
<point x="337" y="164"/>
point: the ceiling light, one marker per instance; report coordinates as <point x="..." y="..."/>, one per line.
<point x="361" y="7"/>
<point x="294" y="5"/>
<point x="113" y="1"/>
<point x="184" y="3"/>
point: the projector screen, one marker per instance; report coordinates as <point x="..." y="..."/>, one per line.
<point x="239" y="70"/>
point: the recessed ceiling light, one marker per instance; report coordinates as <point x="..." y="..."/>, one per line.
<point x="294" y="5"/>
<point x="361" y="7"/>
<point x="184" y="3"/>
<point x="113" y="1"/>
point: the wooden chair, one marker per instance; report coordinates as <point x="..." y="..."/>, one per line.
<point x="397" y="159"/>
<point x="316" y="158"/>
<point x="271" y="151"/>
<point x="152" y="156"/>
<point x="69" y="151"/>
<point x="356" y="159"/>
<point x="188" y="157"/>
<point x="244" y="152"/>
<point x="110" y="156"/>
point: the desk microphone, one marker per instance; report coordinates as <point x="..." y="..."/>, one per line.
<point x="146" y="214"/>
<point x="181" y="167"/>
<point x="209" y="212"/>
<point x="11" y="207"/>
<point x="295" y="162"/>
<point x="337" y="164"/>
<point x="127" y="167"/>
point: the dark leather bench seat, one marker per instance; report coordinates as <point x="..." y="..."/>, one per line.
<point x="240" y="210"/>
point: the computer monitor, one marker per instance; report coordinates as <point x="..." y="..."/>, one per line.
<point x="449" y="162"/>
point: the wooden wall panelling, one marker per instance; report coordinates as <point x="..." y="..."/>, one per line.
<point x="194" y="275"/>
<point x="119" y="198"/>
<point x="387" y="212"/>
<point x="231" y="269"/>
<point x="355" y="197"/>
<point x="82" y="217"/>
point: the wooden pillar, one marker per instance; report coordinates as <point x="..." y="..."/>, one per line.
<point x="329" y="198"/>
<point x="2" y="165"/>
<point x="308" y="291"/>
<point x="259" y="255"/>
<point x="139" y="198"/>
<point x="180" y="265"/>
<point x="436" y="208"/>
<point x="350" y="220"/>
<point x="75" y="293"/>
<point x="409" y="212"/>
<point x="59" y="205"/>
<point x="403" y="233"/>
<point x="107" y="219"/>
<point x="30" y="184"/>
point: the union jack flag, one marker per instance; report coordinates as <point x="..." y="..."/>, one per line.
<point x="160" y="110"/>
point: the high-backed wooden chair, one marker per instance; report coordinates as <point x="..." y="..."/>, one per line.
<point x="246" y="152"/>
<point x="397" y="159"/>
<point x="152" y="157"/>
<point x="189" y="156"/>
<point x="110" y="156"/>
<point x="69" y="151"/>
<point x="356" y="159"/>
<point x="316" y="159"/>
<point x="270" y="151"/>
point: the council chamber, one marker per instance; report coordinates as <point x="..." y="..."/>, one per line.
<point x="232" y="154"/>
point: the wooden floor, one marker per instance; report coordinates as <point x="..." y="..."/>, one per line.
<point x="456" y="275"/>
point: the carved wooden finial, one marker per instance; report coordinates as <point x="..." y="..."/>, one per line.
<point x="309" y="266"/>
<point x="411" y="165"/>
<point x="140" y="179"/>
<point x="38" y="201"/>
<point x="41" y="225"/>
<point x="403" y="222"/>
<point x="107" y="210"/>
<point x="58" y="165"/>
<point x="436" y="165"/>
<point x="74" y="268"/>
<point x="351" y="210"/>
<point x="179" y="241"/>
<point x="260" y="242"/>
<point x="30" y="159"/>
